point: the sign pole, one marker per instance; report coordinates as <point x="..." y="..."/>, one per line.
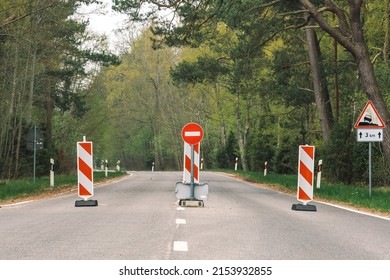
<point x="192" y="170"/>
<point x="369" y="169"/>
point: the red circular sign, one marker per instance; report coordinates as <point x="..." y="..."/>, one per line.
<point x="192" y="133"/>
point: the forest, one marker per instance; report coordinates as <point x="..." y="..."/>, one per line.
<point x="260" y="76"/>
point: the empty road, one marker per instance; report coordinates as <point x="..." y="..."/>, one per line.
<point x="138" y="218"/>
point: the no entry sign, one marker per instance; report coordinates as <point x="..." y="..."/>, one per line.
<point x="192" y="133"/>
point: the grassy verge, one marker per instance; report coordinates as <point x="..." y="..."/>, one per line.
<point x="354" y="195"/>
<point x="23" y="188"/>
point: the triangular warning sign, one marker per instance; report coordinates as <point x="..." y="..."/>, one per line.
<point x="369" y="118"/>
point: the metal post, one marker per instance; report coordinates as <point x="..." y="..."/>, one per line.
<point x="192" y="171"/>
<point x="35" y="150"/>
<point x="369" y="169"/>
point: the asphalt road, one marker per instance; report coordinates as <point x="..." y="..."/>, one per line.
<point x="138" y="218"/>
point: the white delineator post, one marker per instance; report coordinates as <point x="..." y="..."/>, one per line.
<point x="319" y="170"/>
<point x="265" y="168"/>
<point x="106" y="168"/>
<point x="51" y="172"/>
<point x="236" y="164"/>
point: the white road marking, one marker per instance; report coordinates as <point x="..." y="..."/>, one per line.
<point x="180" y="246"/>
<point x="353" y="210"/>
<point x="180" y="208"/>
<point x="16" y="204"/>
<point x="181" y="221"/>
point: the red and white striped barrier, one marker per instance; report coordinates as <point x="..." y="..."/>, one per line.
<point x="187" y="163"/>
<point x="85" y="169"/>
<point x="305" y="174"/>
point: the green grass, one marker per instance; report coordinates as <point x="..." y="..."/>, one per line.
<point x="355" y="195"/>
<point x="15" y="189"/>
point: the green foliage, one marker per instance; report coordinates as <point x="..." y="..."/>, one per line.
<point x="22" y="188"/>
<point x="226" y="155"/>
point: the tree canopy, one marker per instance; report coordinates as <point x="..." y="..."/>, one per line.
<point x="261" y="77"/>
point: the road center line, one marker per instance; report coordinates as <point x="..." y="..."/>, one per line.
<point x="180" y="208"/>
<point x="180" y="246"/>
<point x="181" y="221"/>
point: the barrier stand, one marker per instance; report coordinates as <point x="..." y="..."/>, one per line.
<point x="191" y="193"/>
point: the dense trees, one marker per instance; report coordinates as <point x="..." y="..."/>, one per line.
<point x="42" y="68"/>
<point x="261" y="77"/>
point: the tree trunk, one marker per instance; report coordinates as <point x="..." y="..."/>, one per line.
<point x="49" y="111"/>
<point x="320" y="88"/>
<point x="366" y="73"/>
<point x="387" y="31"/>
<point x="241" y="137"/>
<point x="350" y="35"/>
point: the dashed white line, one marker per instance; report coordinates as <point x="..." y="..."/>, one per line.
<point x="181" y="221"/>
<point x="180" y="246"/>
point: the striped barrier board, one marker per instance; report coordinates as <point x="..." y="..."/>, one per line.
<point x="187" y="163"/>
<point x="305" y="174"/>
<point x="85" y="169"/>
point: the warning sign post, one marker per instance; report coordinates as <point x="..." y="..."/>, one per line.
<point x="369" y="128"/>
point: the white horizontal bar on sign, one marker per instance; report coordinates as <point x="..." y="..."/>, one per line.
<point x="192" y="133"/>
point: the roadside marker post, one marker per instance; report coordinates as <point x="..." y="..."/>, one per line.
<point x="191" y="192"/>
<point x="265" y="168"/>
<point x="236" y="164"/>
<point x="85" y="174"/>
<point x="51" y="172"/>
<point x="319" y="171"/>
<point x="305" y="179"/>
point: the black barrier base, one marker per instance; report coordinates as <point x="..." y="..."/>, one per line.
<point x="86" y="203"/>
<point x="301" y="207"/>
<point x="191" y="203"/>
